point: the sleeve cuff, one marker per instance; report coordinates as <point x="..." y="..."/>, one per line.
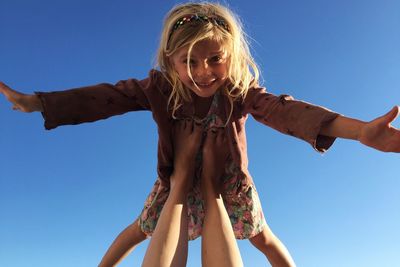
<point x="322" y="143"/>
<point x="48" y="125"/>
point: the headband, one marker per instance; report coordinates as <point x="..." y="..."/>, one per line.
<point x="198" y="17"/>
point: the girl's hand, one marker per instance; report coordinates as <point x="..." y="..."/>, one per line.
<point x="22" y="102"/>
<point x="380" y="135"/>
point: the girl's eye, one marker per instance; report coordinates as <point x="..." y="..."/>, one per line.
<point x="216" y="59"/>
<point x="191" y="62"/>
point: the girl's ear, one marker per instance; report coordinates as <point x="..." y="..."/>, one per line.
<point x="171" y="61"/>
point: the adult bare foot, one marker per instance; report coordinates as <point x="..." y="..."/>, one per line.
<point x="219" y="246"/>
<point x="215" y="154"/>
<point x="169" y="244"/>
<point x="187" y="139"/>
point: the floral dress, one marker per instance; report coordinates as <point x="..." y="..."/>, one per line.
<point x="244" y="208"/>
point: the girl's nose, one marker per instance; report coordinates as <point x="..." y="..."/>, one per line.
<point x="203" y="70"/>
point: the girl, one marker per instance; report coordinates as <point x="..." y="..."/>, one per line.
<point x="206" y="74"/>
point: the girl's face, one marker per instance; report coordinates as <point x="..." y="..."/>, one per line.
<point x="208" y="66"/>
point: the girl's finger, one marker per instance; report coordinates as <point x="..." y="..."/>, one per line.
<point x="393" y="114"/>
<point x="5" y="90"/>
<point x="389" y="117"/>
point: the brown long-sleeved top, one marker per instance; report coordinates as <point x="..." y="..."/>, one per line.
<point x="283" y="113"/>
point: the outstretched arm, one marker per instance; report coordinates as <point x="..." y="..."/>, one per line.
<point x="20" y="101"/>
<point x="90" y="103"/>
<point x="378" y="133"/>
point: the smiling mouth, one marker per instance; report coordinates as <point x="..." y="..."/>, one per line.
<point x="205" y="84"/>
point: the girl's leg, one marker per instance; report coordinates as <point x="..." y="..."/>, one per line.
<point x="273" y="248"/>
<point x="219" y="246"/>
<point x="125" y="242"/>
<point x="169" y="243"/>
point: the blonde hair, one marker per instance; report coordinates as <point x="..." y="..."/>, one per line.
<point x="242" y="71"/>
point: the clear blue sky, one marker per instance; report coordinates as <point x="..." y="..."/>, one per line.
<point x="65" y="194"/>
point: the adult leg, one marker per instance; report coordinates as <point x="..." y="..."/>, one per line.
<point x="169" y="243"/>
<point x="125" y="242"/>
<point x="219" y="246"/>
<point x="275" y="251"/>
